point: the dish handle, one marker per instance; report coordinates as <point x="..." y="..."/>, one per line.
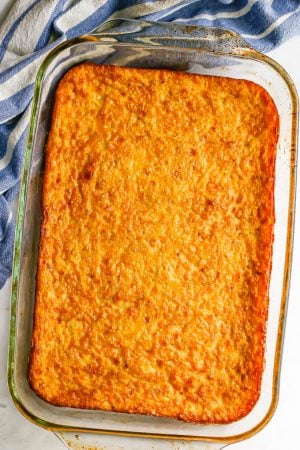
<point x="87" y="441"/>
<point x="172" y="34"/>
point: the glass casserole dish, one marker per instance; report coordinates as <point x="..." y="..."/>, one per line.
<point x="183" y="48"/>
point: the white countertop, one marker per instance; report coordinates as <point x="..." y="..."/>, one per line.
<point x="280" y="434"/>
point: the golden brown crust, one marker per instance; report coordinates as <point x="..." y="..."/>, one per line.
<point x="156" y="244"/>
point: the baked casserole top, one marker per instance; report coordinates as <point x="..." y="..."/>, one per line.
<point x="156" y="244"/>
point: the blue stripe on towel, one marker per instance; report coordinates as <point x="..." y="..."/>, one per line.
<point x="5" y="42"/>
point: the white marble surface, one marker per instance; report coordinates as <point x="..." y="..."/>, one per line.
<point x="281" y="433"/>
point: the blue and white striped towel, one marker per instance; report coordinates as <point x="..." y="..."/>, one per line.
<point x="24" y="37"/>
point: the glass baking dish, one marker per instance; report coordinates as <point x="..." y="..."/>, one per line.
<point x="182" y="48"/>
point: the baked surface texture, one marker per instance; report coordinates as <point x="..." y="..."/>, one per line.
<point x="156" y="244"/>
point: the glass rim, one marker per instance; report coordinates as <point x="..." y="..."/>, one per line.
<point x="241" y="52"/>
